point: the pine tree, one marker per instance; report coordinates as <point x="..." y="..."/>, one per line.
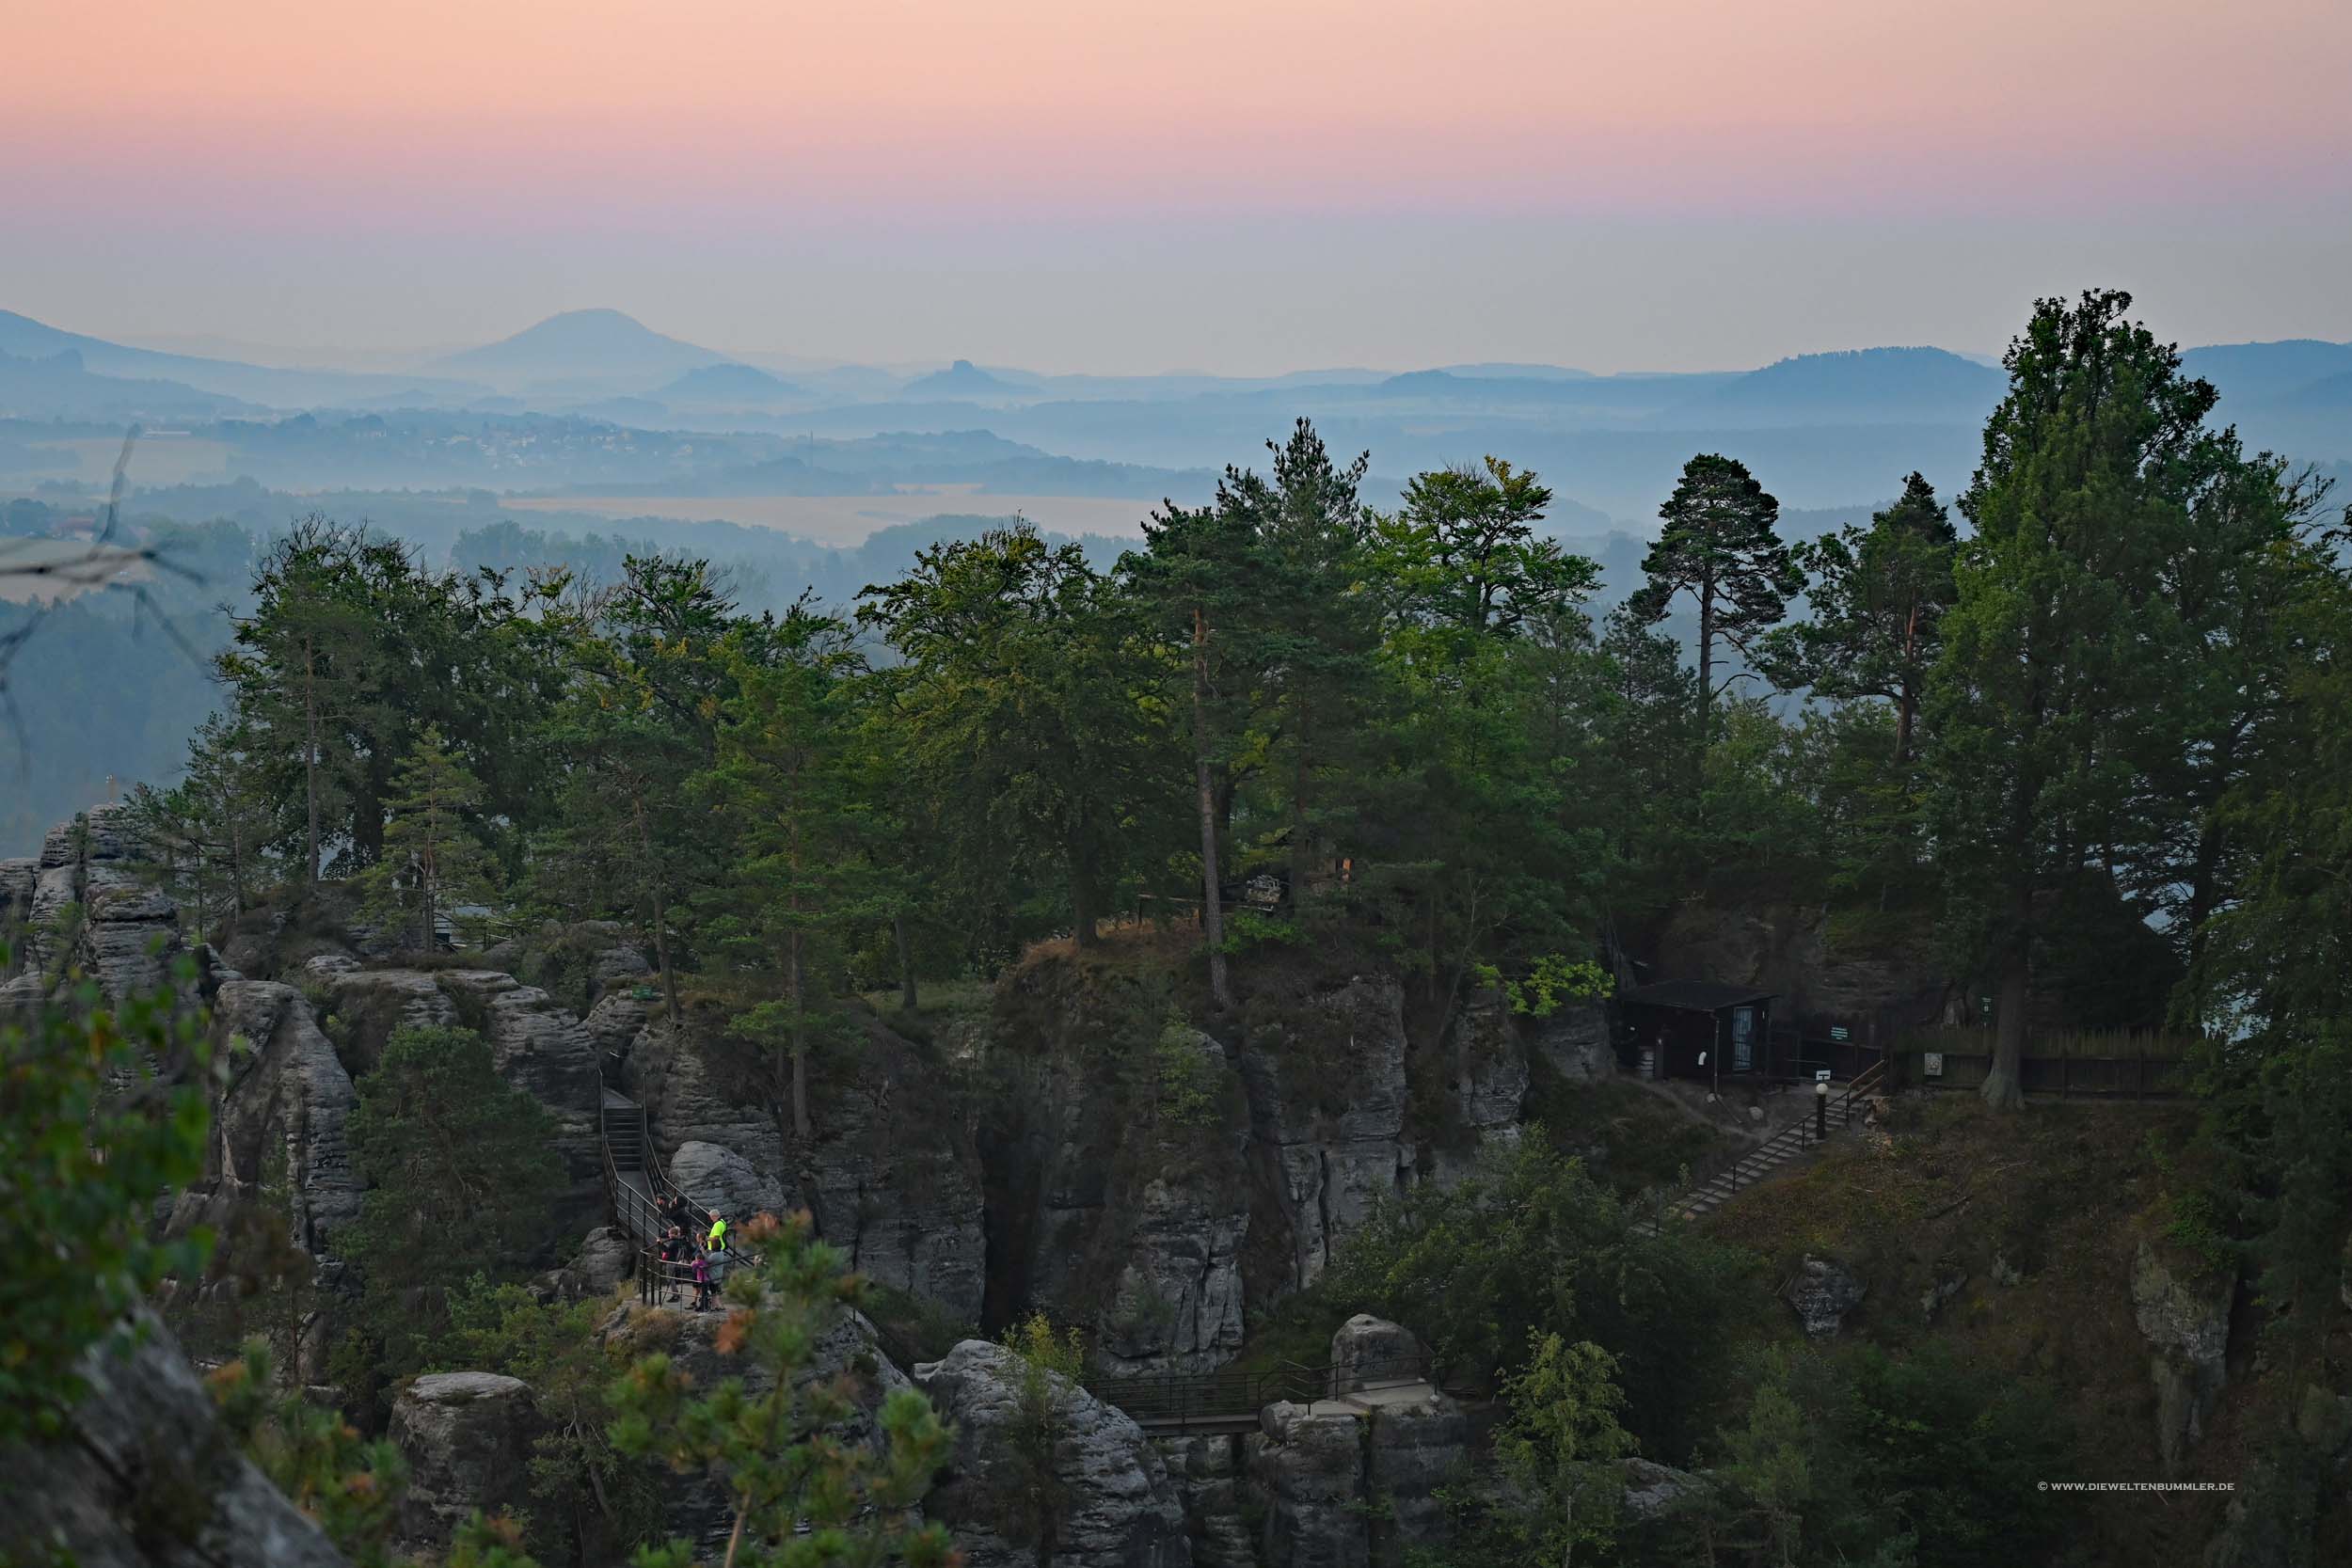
<point x="798" y="805"/>
<point x="433" y="857"/>
<point x="1719" y="546"/>
<point x="1878" y="596"/>
<point x="2049" y="707"/>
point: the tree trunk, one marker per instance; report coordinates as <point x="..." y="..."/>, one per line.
<point x="1083" y="918"/>
<point x="800" y="1043"/>
<point x="906" y="963"/>
<point x="660" y="909"/>
<point x="1907" y="699"/>
<point x="1212" y="909"/>
<point x="2003" y="1084"/>
<point x="310" y="762"/>
<point x="1706" y="659"/>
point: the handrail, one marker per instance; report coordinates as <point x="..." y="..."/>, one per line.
<point x="1182" y="1399"/>
<point x="628" y="1204"/>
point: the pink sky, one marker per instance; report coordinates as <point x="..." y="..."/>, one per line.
<point x="503" y="121"/>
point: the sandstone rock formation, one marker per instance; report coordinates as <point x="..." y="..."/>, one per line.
<point x="1326" y="1077"/>
<point x="2184" y="1317"/>
<point x="143" y="1477"/>
<point x="1120" y="1510"/>
<point x="466" y="1437"/>
<point x="1211" y="1476"/>
<point x="126" y="935"/>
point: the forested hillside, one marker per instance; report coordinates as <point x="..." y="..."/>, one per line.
<point x="1189" y="944"/>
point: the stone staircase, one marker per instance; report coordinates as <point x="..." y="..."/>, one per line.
<point x="1790" y="1143"/>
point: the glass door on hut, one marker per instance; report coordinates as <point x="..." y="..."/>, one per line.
<point x="1744" y="1039"/>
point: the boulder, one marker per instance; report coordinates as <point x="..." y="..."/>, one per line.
<point x="466" y="1437"/>
<point x="725" y="1183"/>
<point x="601" y="1265"/>
<point x="1311" y="1470"/>
<point x="1824" y="1292"/>
<point x="1655" y="1491"/>
<point x="1119" y="1509"/>
<point x="1366" y="1350"/>
<point x="144" y="1477"/>
<point x="2185" y="1316"/>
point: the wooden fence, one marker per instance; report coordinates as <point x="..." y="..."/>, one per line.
<point x="2064" y="1065"/>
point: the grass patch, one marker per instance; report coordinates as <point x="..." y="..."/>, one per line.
<point x="1630" y="1139"/>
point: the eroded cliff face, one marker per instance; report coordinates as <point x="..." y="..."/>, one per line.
<point x="81" y="907"/>
<point x="1116" y="1140"/>
<point x="1326" y="1071"/>
<point x="891" y="1176"/>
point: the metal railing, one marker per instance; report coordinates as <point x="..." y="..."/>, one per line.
<point x="645" y="1216"/>
<point x="1179" y="1401"/>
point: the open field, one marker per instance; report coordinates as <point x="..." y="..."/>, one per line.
<point x="844" y="520"/>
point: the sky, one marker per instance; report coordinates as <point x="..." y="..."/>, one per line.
<point x="1245" y="186"/>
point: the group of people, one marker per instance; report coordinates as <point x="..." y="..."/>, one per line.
<point x="686" y="1260"/>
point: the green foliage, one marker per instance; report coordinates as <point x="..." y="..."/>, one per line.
<point x="432" y="860"/>
<point x="588" y="1503"/>
<point x="1719" y="544"/>
<point x="1187" y="1082"/>
<point x="461" y="1170"/>
<point x="1048" y="1362"/>
<point x="1246" y="930"/>
<point x="350" y="1486"/>
<point x="805" y="1494"/>
<point x="1551" y="979"/>
<point x="100" y="1113"/>
<point x="1858" y="1456"/>
<point x="1558" y="1454"/>
<point x="1532" y="1247"/>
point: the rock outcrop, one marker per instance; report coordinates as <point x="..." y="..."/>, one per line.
<point x="537" y="1045"/>
<point x="2184" y="1317"/>
<point x="144" y="1477"/>
<point x="126" y="934"/>
<point x="894" y="1179"/>
<point x="1326" y="1078"/>
<point x="279" y="1138"/>
<point x="1311" y="1469"/>
<point x="695" y="1508"/>
<point x="1116" y="1157"/>
<point x="1822" y="1292"/>
<point x="1119" y="1509"/>
<point x="1210" y="1478"/>
<point x="1487" y="1086"/>
<point x="466" y="1437"/>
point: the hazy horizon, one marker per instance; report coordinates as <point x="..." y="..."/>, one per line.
<point x="1230" y="188"/>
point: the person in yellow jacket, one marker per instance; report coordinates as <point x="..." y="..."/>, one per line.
<point x="718" y="1239"/>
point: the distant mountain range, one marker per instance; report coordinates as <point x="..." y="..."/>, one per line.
<point x="1821" y="430"/>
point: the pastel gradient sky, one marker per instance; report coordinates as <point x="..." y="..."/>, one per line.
<point x="1243" y="185"/>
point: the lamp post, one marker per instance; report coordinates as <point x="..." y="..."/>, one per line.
<point x="1821" y="1107"/>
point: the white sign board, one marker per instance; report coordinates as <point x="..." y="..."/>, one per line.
<point x="1935" y="1063"/>
<point x="1838" y="1032"/>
